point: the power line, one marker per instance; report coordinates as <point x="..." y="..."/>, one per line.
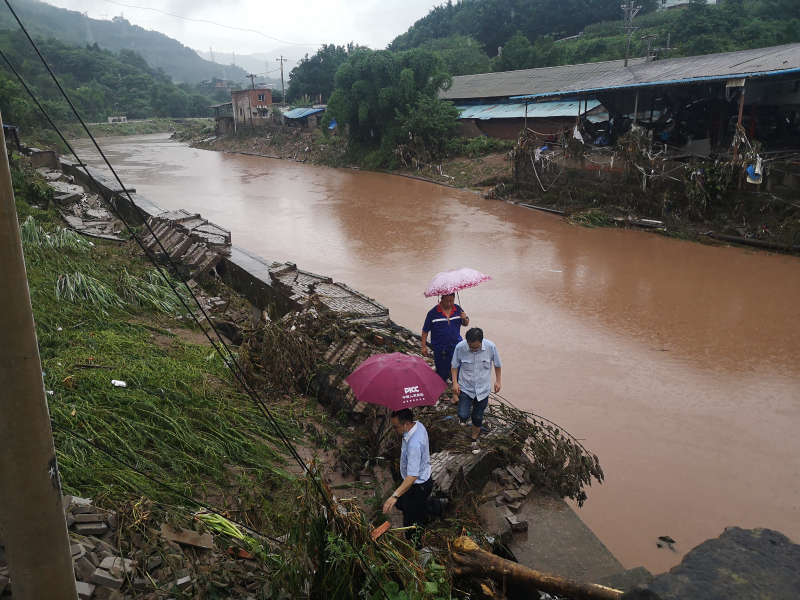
<point x="269" y="37"/>
<point x="237" y="372"/>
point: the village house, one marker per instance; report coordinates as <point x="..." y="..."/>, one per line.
<point x="251" y="107"/>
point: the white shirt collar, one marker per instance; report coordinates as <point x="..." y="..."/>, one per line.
<point x="410" y="431"/>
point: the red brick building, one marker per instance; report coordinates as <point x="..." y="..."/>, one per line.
<point x="252" y="107"/>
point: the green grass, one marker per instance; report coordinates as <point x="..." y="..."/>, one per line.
<point x="180" y="418"/>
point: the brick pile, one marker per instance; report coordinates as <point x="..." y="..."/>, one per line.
<point x="112" y="562"/>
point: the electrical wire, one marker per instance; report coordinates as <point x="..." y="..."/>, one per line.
<point x="155" y="480"/>
<point x="269" y="37"/>
<point x="238" y="372"/>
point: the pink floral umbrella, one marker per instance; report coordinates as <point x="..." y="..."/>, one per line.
<point x="454" y="280"/>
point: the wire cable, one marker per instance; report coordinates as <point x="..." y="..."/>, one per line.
<point x="157" y="481"/>
<point x="238" y="372"/>
<point x="269" y="37"/>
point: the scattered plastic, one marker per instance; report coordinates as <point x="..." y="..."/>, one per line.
<point x="118" y="383"/>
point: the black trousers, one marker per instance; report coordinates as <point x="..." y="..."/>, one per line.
<point x="416" y="504"/>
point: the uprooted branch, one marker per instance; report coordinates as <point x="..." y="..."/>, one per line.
<point x="471" y="561"/>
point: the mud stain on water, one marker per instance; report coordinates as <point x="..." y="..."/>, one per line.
<point x="677" y="363"/>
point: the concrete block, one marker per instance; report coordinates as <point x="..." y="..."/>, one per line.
<point x="103" y="577"/>
<point x="86" y="568"/>
<point x="184" y="583"/>
<point x="90" y="528"/>
<point x="496" y="474"/>
<point x="77" y="551"/>
<point x="516" y="474"/>
<point x="85" y="590"/>
<point x="505" y="511"/>
<point x="81" y="509"/>
<point x="141" y="584"/>
<point x="89" y="518"/>
<point x="121" y="564"/>
<point x="70" y="520"/>
<point x="515" y="506"/>
<point x="525" y="490"/>
<point x="519" y="526"/>
<point x="512" y="495"/>
<point x="154" y="562"/>
<point x="499" y="500"/>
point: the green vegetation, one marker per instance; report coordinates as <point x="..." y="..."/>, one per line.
<point x="102" y="313"/>
<point x="388" y="98"/>
<point x="160" y="51"/>
<point x="493" y="22"/>
<point x="528" y="31"/>
<point x="316" y="75"/>
<point x="99" y="82"/>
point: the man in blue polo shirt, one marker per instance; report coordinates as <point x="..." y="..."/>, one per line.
<point x="472" y="377"/>
<point x="413" y="495"/>
<point x="443" y="322"/>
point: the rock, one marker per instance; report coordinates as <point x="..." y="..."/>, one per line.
<point x="90" y="528"/>
<point x="140" y="584"/>
<point x="85" y="590"/>
<point x="107" y="579"/>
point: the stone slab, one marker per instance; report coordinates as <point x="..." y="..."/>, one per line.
<point x="558" y="542"/>
<point x="741" y="564"/>
<point x="85" y="590"/>
<point x="103" y="577"/>
<point x="90" y="528"/>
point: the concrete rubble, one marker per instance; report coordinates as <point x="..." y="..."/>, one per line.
<point x="114" y="562"/>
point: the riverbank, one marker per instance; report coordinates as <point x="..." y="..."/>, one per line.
<point x="772" y="226"/>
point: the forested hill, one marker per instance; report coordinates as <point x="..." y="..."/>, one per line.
<point x="467" y="34"/>
<point x="493" y="22"/>
<point x="160" y="51"/>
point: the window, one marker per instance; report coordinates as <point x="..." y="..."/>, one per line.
<point x="262" y="97"/>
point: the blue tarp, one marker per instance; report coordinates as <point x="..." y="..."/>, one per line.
<point x="333" y="124"/>
<point x="299" y="113"/>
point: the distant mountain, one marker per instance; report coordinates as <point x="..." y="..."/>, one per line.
<point x="160" y="51"/>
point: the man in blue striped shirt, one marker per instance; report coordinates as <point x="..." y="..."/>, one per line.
<point x="472" y="376"/>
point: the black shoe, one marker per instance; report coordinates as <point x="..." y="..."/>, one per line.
<point x="445" y="503"/>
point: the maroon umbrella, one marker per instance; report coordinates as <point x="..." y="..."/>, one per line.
<point x="396" y="381"/>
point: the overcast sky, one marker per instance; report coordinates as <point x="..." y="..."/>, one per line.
<point x="372" y="23"/>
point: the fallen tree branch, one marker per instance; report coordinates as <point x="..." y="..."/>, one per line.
<point x="471" y="561"/>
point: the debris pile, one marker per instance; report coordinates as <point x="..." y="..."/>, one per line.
<point x="127" y="554"/>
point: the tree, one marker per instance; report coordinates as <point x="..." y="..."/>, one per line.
<point x="316" y="75"/>
<point x="377" y="92"/>
<point x="430" y="124"/>
<point x="462" y="54"/>
<point x="517" y="54"/>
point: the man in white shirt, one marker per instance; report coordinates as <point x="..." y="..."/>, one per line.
<point x="472" y="368"/>
<point x="413" y="495"/>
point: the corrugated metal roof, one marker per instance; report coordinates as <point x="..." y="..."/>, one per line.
<point x="691" y="69"/>
<point x="536" y="110"/>
<point x="527" y="81"/>
<point x="299" y="113"/>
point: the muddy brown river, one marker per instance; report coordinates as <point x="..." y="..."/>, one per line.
<point x="677" y="363"/>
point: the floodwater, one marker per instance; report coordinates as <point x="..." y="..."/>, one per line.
<point x="677" y="363"/>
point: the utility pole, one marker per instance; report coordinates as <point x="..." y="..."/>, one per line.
<point x="667" y="49"/>
<point x="31" y="512"/>
<point x="283" y="89"/>
<point x="252" y="80"/>
<point x="629" y="11"/>
<point x="649" y="39"/>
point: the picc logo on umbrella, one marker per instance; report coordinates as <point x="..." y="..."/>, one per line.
<point x="412" y="394"/>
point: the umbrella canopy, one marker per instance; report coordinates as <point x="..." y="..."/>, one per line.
<point x="454" y="280"/>
<point x="396" y="381"/>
